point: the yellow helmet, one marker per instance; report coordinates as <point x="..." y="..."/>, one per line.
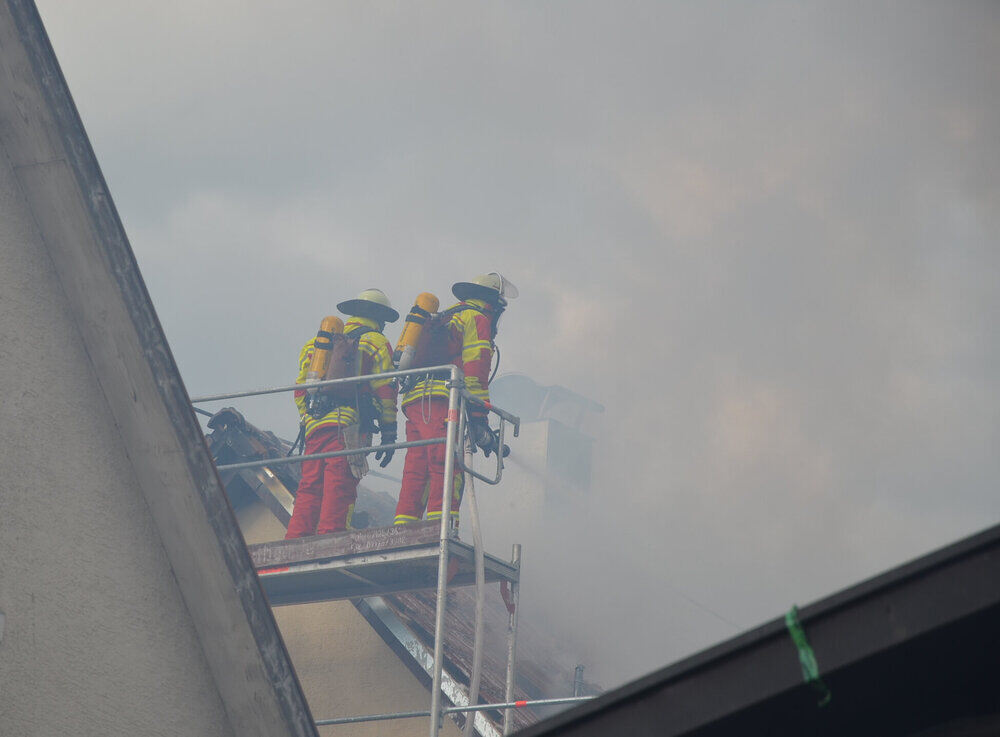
<point x="371" y="303"/>
<point x="492" y="287"/>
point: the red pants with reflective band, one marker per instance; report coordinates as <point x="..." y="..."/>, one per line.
<point x="327" y="490"/>
<point x="423" y="471"/>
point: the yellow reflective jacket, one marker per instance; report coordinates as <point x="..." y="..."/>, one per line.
<point x="374" y="357"/>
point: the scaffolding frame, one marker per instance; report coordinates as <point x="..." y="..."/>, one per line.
<point x="458" y="400"/>
<point x="506" y="706"/>
<point x="368" y="562"/>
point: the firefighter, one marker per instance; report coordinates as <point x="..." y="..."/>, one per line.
<point x="325" y="498"/>
<point x="472" y="324"/>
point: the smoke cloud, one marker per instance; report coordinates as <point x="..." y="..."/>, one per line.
<point x="763" y="237"/>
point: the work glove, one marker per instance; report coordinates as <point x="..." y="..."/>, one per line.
<point x="484" y="438"/>
<point x="388" y="433"/>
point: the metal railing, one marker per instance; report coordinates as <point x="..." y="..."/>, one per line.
<point x="458" y="397"/>
<point x="506" y="706"/>
<point x="326" y="382"/>
<point x="504" y="416"/>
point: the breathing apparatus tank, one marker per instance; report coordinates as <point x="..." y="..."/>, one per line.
<point x="426" y="305"/>
<point x="320" y="361"/>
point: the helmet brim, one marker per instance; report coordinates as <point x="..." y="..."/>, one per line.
<point x="468" y="290"/>
<point x="371" y="310"/>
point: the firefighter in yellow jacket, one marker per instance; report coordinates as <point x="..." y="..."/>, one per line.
<point x="328" y="488"/>
<point x="472" y="327"/>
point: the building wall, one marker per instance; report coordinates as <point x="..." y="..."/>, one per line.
<point x="344" y="666"/>
<point x="97" y="639"/>
<point x="85" y="314"/>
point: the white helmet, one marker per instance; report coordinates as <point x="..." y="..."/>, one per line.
<point x="371" y="303"/>
<point x="492" y="287"/>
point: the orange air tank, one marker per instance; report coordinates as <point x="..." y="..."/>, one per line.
<point x="324" y="343"/>
<point x="427" y="304"/>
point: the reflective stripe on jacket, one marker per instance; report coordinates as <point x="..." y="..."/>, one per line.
<point x="375" y="357"/>
<point x="476" y="330"/>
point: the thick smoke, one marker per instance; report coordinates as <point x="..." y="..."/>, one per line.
<point x="764" y="238"/>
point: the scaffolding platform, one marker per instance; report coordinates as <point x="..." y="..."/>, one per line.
<point x="369" y="562"/>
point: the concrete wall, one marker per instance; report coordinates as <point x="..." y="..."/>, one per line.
<point x="344" y="666"/>
<point x="97" y="639"/>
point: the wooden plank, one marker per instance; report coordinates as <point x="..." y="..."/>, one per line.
<point x="288" y="588"/>
<point x="341" y="544"/>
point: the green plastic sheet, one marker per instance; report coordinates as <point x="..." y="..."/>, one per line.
<point x="807" y="658"/>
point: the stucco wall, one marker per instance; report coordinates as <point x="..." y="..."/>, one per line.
<point x="344" y="667"/>
<point x="88" y="306"/>
<point x="97" y="640"/>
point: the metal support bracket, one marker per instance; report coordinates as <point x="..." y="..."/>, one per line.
<point x="505" y="417"/>
<point x="499" y="454"/>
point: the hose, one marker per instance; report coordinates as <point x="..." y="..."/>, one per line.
<point x="496" y="351"/>
<point x="300" y="441"/>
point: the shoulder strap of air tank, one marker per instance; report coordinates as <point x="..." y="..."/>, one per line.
<point x="359" y="332"/>
<point x="444" y="316"/>
<point x="465" y="306"/>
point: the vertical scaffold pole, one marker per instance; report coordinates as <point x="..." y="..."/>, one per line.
<point x="451" y="433"/>
<point x="508" y="714"/>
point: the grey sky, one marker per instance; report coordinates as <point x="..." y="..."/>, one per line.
<point x="763" y="236"/>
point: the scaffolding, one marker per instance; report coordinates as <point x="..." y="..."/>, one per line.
<point x="403" y="558"/>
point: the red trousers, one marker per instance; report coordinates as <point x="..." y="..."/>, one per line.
<point x="325" y="499"/>
<point x="423" y="471"/>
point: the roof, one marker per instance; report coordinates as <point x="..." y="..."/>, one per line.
<point x="910" y="650"/>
